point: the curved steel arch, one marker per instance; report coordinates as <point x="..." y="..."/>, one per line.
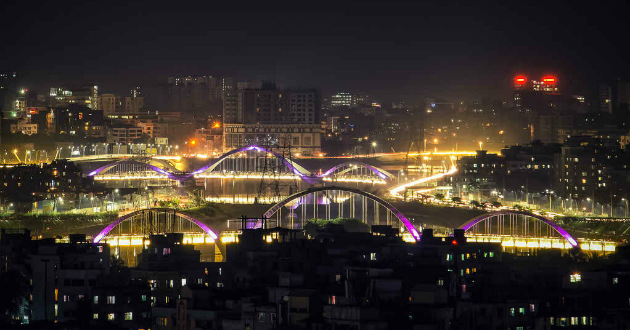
<point x="112" y="225"/>
<point x="300" y="171"/>
<point x="387" y="205"/>
<point x="468" y="224"/>
<point x="378" y="171"/>
<point x="109" y="166"/>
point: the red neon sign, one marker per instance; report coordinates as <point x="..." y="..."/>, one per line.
<point x="549" y="79"/>
<point x="520" y="80"/>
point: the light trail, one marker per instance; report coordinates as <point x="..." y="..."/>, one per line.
<point x="396" y="190"/>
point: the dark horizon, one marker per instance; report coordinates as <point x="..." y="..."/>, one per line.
<point x="392" y="51"/>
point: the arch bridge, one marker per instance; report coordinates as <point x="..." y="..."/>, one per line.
<point x="130" y="233"/>
<point x="330" y="202"/>
<point x="137" y="168"/>
<point x="518" y="229"/>
<point x="250" y="162"/>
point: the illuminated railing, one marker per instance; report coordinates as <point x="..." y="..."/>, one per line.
<point x="140" y="240"/>
<point x="543" y="242"/>
<point x="361" y="179"/>
<point x="245" y="176"/>
<point x="240" y="176"/>
<point x="131" y="176"/>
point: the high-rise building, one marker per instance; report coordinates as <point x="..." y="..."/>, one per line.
<point x="268" y="115"/>
<point x="201" y="95"/>
<point x="605" y="98"/>
<point x="341" y="99"/>
<point x="269" y="105"/>
<point x="133" y="103"/>
<point x="8" y="91"/>
<point x="85" y="95"/>
<point x="109" y="103"/>
<point x="549" y="113"/>
<point x="231" y="92"/>
<point x="344" y="99"/>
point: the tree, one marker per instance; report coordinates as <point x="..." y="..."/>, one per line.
<point x="496" y="204"/>
<point x="475" y="203"/>
<point x="439" y="196"/>
<point x="456" y="200"/>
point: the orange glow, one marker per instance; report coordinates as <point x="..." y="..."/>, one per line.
<point x="193" y="142"/>
<point x="549" y="79"/>
<point x="216" y="125"/>
<point x="520" y="80"/>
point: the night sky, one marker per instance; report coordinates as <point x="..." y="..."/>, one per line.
<point x="390" y="49"/>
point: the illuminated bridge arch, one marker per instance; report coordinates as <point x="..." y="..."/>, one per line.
<point x="293" y="167"/>
<point x="355" y="169"/>
<point x="321" y="201"/>
<point x="139" y="165"/>
<point x="506" y="226"/>
<point x="156" y="221"/>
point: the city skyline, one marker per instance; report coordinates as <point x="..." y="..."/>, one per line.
<point x="315" y="165"/>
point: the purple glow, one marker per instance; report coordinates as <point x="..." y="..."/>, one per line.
<point x="549" y="222"/>
<point x="302" y="173"/>
<point x="112" y="225"/>
<point x="156" y="169"/>
<point x="408" y="225"/>
<point x="379" y="172"/>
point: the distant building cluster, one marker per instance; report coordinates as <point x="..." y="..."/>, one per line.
<point x="203" y="114"/>
<point x="584" y="168"/>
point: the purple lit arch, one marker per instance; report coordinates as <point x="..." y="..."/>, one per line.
<point x="470" y="223"/>
<point x="300" y="171"/>
<point x="378" y="171"/>
<point x="112" y="225"/>
<point x="153" y="168"/>
<point x="408" y="225"/>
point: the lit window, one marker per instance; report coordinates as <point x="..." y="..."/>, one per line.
<point x="183" y="282"/>
<point x="128" y="316"/>
<point x="95" y="316"/>
<point x="111" y="316"/>
<point x="161" y="321"/>
<point x="95" y="300"/>
<point x="111" y="300"/>
<point x="577" y="277"/>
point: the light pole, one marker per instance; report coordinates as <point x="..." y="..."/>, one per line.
<point x="625" y="211"/>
